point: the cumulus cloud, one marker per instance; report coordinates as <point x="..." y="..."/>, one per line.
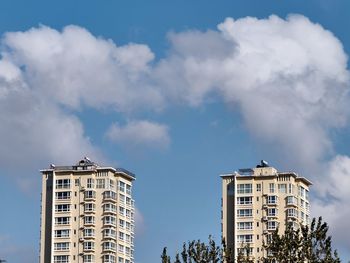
<point x="289" y="90"/>
<point x="289" y="79"/>
<point x="140" y="133"/>
<point x="75" y="68"/>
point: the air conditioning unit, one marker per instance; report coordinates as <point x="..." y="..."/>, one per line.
<point x="82" y="188"/>
<point x="81" y="239"/>
<point x="264" y="218"/>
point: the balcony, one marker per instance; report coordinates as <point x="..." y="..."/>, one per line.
<point x="109" y="196"/>
<point x="109" y="209"/>
<point x="89" y="222"/>
<point x="109" y="247"/>
<point x="90" y="195"/>
<point x="291" y="201"/>
<point x="109" y="221"/>
<point x="292" y="214"/>
<point x="89" y="249"/>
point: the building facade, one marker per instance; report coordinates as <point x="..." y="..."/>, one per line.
<point x="87" y="214"/>
<point x="257" y="201"/>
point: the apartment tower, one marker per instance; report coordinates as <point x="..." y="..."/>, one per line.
<point x="87" y="214"/>
<point x="256" y="201"/>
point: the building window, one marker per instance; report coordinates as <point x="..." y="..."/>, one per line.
<point x="244" y="188"/>
<point x="89" y="220"/>
<point x="271" y="225"/>
<point x="245" y="225"/>
<point x="291" y="200"/>
<point x="258" y="187"/>
<point x="63" y="184"/>
<point x="245" y="238"/>
<point x="307" y="206"/>
<point x="109" y="259"/>
<point x="127" y="251"/>
<point x="111" y="184"/>
<point x="121" y="248"/>
<point x="128" y="201"/>
<point x="272" y="188"/>
<point x="100" y="183"/>
<point x="89" y="232"/>
<point x="121" y="211"/>
<point x="292" y="212"/>
<point x="301" y="192"/>
<point x="244" y="212"/>
<point x="109" y="195"/>
<point x="110" y="208"/>
<point x="62" y="233"/>
<point x="61" y="246"/>
<point x="61" y="259"/>
<point x="109" y="232"/>
<point x="62" y="208"/>
<point x="89" y="245"/>
<point x="272" y="212"/>
<point x="272" y="199"/>
<point x="90" y="183"/>
<point x="307" y="195"/>
<point x="62" y="195"/>
<point x="91" y="194"/>
<point x="290" y="188"/>
<point x="62" y="220"/>
<point x="77" y="182"/>
<point x="109" y="246"/>
<point x="89" y="207"/>
<point x="122" y="198"/>
<point x="128" y="189"/>
<point x="88" y="259"/>
<point x="128" y="213"/>
<point x="121" y="186"/>
<point x="282" y="188"/>
<point x="246" y="200"/>
<point x="121" y="236"/>
<point x="109" y="220"/>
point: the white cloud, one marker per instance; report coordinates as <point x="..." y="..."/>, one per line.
<point x="140" y="133"/>
<point x="75" y="68"/>
<point x="289" y="78"/>
<point x="290" y="91"/>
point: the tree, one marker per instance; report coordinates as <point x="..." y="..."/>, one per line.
<point x="244" y="254"/>
<point x="308" y="244"/>
<point x="199" y="252"/>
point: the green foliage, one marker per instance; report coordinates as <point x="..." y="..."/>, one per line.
<point x="307" y="244"/>
<point x="197" y="252"/>
<point x="244" y="254"/>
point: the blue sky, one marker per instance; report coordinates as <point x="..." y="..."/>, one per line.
<point x="195" y="95"/>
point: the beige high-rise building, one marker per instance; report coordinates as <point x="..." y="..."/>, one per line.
<point x="87" y="214"/>
<point x="256" y="201"/>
